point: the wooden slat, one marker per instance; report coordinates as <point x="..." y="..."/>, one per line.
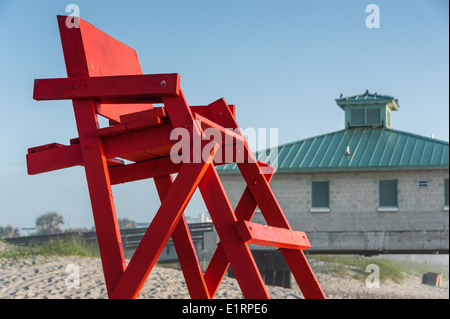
<point x="118" y="143"/>
<point x="125" y="88"/>
<point x="143" y="170"/>
<point x="131" y="145"/>
<point x="112" y="130"/>
<point x="53" y="158"/>
<point x="257" y="234"/>
<point x="45" y="147"/>
<point x="157" y="112"/>
<point x="143" y="124"/>
<point x="43" y="159"/>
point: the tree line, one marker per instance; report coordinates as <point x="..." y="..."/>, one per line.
<point x="51" y="223"/>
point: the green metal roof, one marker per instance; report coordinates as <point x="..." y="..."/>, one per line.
<point x="369" y="149"/>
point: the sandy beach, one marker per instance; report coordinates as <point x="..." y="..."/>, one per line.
<point x="82" y="278"/>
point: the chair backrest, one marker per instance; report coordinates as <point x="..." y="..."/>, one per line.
<point x="89" y="52"/>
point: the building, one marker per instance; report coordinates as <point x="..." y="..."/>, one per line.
<point x="366" y="189"/>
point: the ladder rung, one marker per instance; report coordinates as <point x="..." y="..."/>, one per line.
<point x="252" y="233"/>
<point x="157" y="112"/>
<point x="143" y="124"/>
<point x="112" y="130"/>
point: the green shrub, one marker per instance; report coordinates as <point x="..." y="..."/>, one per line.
<point x="354" y="266"/>
<point x="54" y="248"/>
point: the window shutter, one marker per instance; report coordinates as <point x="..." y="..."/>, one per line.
<point x="357" y="117"/>
<point x="320" y="194"/>
<point x="373" y="117"/>
<point x="388" y="193"/>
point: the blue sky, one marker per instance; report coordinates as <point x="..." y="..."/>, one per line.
<point x="281" y="62"/>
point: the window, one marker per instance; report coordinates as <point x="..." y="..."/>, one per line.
<point x="388" y="195"/>
<point x="320" y="196"/>
<point x="446" y="194"/>
<point x="365" y="117"/>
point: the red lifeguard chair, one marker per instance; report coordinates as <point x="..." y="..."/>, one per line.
<point x="104" y="78"/>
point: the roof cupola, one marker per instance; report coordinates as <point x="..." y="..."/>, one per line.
<point x="368" y="110"/>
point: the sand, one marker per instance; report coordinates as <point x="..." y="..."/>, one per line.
<point x="51" y="278"/>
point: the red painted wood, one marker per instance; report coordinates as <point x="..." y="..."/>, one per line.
<point x="143" y="170"/>
<point x="105" y="219"/>
<point x="274" y="216"/>
<point x="220" y="210"/>
<point x="53" y="159"/>
<point x="238" y="253"/>
<point x="160" y="230"/>
<point x="219" y="263"/>
<point x="303" y="274"/>
<point x="208" y="124"/>
<point x="97" y="175"/>
<point x="114" y="162"/>
<point x="216" y="270"/>
<point x="185" y="248"/>
<point x="45" y="147"/>
<point x="75" y="140"/>
<point x="205" y="111"/>
<point x="296" y="259"/>
<point x="252" y="233"/>
<point x="140" y="145"/>
<point x="143" y="124"/>
<point x="131" y="88"/>
<point x="150" y="168"/>
<point x="112" y="130"/>
<point x="99" y="55"/>
<point x="157" y="112"/>
<point x="104" y="78"/>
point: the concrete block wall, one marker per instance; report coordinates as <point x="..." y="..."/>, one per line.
<point x="354" y="200"/>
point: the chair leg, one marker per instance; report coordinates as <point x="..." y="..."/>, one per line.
<point x="238" y="253"/>
<point x="159" y="231"/>
<point x="219" y="263"/>
<point x="97" y="175"/>
<point x="184" y="247"/>
<point x="303" y="274"/>
<point x="274" y="217"/>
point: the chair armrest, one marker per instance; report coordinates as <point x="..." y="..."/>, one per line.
<point x="109" y="89"/>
